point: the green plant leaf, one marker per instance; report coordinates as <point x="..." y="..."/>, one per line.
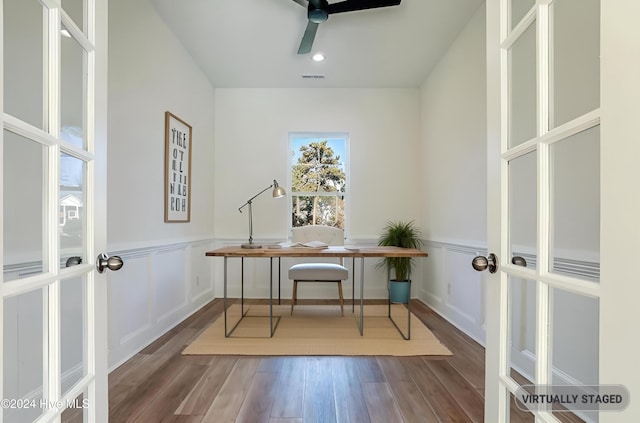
<point x="399" y="234"/>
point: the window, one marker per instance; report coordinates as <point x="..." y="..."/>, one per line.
<point x="318" y="179"/>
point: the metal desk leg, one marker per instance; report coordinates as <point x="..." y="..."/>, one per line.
<point x="242" y="314"/>
<point x="408" y="335"/>
<point x="353" y="285"/>
<point x="224" y="301"/>
<point x="279" y="273"/>
<point x="409" y="316"/>
<point x="362" y="296"/>
<point x="272" y="326"/>
<point x="270" y="296"/>
<point x="242" y="286"/>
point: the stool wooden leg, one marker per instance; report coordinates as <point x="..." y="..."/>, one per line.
<point x="341" y="299"/>
<point x="295" y="293"/>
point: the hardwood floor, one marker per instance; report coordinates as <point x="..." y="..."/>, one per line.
<point x="161" y="385"/>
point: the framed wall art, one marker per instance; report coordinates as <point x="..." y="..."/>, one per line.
<point x="177" y="182"/>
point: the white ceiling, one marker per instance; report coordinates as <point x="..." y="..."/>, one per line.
<point x="253" y="43"/>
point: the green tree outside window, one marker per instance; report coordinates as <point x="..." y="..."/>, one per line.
<point x="318" y="182"/>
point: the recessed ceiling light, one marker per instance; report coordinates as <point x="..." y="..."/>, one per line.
<point x="318" y="57"/>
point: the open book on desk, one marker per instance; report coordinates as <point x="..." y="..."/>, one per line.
<point x="309" y="244"/>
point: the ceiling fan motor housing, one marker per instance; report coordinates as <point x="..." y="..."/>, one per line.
<point x="317" y="11"/>
<point x="317" y="15"/>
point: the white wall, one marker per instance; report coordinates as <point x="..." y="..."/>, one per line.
<point x="150" y="73"/>
<point x="166" y="276"/>
<point x="453" y="177"/>
<point x="252" y="126"/>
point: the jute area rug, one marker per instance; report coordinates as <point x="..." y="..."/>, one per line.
<point x="316" y="330"/>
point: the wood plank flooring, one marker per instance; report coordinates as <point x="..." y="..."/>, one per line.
<point x="161" y="385"/>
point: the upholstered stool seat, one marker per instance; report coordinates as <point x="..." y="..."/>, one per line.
<point x="318" y="272"/>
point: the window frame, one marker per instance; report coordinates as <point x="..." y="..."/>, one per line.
<point x="344" y="158"/>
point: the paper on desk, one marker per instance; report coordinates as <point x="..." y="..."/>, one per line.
<point x="310" y="244"/>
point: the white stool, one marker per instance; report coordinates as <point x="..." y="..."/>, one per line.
<point x="318" y="272"/>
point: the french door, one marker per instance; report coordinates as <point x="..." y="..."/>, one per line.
<point x="53" y="147"/>
<point x="543" y="308"/>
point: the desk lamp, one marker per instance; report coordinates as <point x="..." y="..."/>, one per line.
<point x="278" y="192"/>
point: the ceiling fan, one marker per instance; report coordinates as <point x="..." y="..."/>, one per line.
<point x="318" y="11"/>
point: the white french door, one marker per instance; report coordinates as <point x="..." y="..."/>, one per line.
<point x="543" y="308"/>
<point x="53" y="338"/>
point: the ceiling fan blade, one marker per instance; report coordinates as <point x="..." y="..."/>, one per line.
<point x="303" y="3"/>
<point x="307" y="38"/>
<point x="353" y="5"/>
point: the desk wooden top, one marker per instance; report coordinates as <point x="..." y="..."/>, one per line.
<point x="237" y="251"/>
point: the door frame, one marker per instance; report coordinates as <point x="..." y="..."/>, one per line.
<point x="101" y="316"/>
<point x="620" y="203"/>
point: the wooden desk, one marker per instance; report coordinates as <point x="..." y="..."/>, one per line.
<point x="341" y="252"/>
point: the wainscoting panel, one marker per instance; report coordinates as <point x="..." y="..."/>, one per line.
<point x="452" y="288"/>
<point x="129" y="302"/>
<point x="465" y="288"/>
<point x="433" y="290"/>
<point x="170" y="274"/>
<point x="157" y="288"/>
<point x="200" y="272"/>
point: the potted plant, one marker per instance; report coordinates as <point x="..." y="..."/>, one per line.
<point x="406" y="235"/>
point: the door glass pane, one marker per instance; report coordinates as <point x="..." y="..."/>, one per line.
<point x="522" y="88"/>
<point x="75" y="9"/>
<point x="23" y="61"/>
<point x="72" y="92"/>
<point x="72" y="209"/>
<point x="575" y="327"/>
<point x="522" y="329"/>
<point x="575" y="211"/>
<point x="23" y="169"/>
<point x="22" y="377"/>
<point x="77" y="410"/>
<point x="575" y="59"/>
<point x="519" y="413"/>
<point x="519" y="8"/>
<point x="73" y="316"/>
<point x="523" y="207"/>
